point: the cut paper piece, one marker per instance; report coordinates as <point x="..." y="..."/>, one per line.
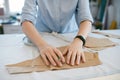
<point x="100" y="48"/>
<point x="27" y="66"/>
<point x="98" y="43"/>
<point x="107" y="34"/>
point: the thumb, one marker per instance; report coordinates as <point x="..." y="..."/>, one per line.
<point x="65" y="51"/>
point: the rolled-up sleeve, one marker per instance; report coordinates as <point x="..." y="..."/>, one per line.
<point x="83" y="11"/>
<point x="29" y="11"/>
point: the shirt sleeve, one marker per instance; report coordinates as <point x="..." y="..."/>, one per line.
<point x="83" y="12"/>
<point x="29" y="11"/>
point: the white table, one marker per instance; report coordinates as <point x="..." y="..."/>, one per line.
<point x="13" y="50"/>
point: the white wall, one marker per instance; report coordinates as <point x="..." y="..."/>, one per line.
<point x="116" y="4"/>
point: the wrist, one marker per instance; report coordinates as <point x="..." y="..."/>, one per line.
<point x="78" y="41"/>
<point x="81" y="39"/>
<point x="40" y="46"/>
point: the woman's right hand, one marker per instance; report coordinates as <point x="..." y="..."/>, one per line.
<point x="51" y="55"/>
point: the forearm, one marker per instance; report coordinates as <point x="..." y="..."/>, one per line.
<point x="33" y="34"/>
<point x="85" y="28"/>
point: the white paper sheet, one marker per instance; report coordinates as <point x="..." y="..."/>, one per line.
<point x="12" y="50"/>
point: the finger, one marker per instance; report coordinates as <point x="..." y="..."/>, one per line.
<point x="59" y="54"/>
<point x="69" y="56"/>
<point x="65" y="51"/>
<point x="45" y="59"/>
<point x="50" y="59"/>
<point x="83" y="57"/>
<point x="56" y="59"/>
<point x="78" y="58"/>
<point x="73" y="58"/>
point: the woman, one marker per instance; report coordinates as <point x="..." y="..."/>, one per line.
<point x="61" y="16"/>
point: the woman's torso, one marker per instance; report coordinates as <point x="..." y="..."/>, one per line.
<point x="56" y="15"/>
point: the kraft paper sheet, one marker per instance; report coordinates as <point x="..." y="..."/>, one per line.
<point x="99" y="43"/>
<point x="92" y="59"/>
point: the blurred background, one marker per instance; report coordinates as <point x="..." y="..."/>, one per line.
<point x="106" y="14"/>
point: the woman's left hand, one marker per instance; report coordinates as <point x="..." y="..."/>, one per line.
<point x="74" y="52"/>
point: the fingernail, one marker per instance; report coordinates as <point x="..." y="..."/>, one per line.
<point x="84" y="60"/>
<point x="67" y="62"/>
<point x="72" y="64"/>
<point x="47" y="64"/>
<point x="54" y="64"/>
<point x="78" y="63"/>
<point x="60" y="64"/>
<point x="63" y="60"/>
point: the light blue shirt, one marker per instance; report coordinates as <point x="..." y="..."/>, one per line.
<point x="56" y="15"/>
